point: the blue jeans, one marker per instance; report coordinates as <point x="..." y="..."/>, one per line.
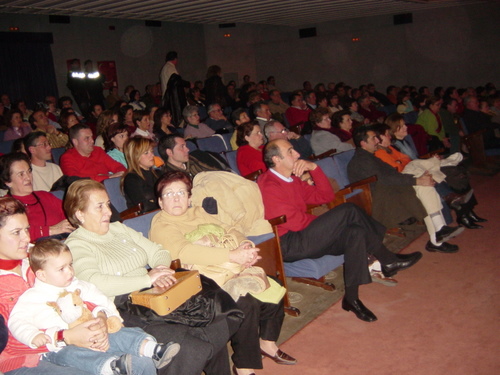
<point x="46" y="368"/>
<point x="126" y="340"/>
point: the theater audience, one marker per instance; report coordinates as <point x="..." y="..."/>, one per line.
<point x="45" y="173"/>
<point x="119" y="260"/>
<point x="476" y="120"/>
<point x="397" y="196"/>
<point x="178" y="226"/>
<point x="430" y="120"/>
<point x="86" y="160"/>
<point x="44" y="210"/>
<point x="369" y="111"/>
<point x="323" y="139"/>
<point x="350" y="230"/>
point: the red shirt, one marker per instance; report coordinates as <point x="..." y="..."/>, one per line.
<point x="97" y="166"/>
<point x="15" y="354"/>
<point x="250" y="160"/>
<point x="296" y="116"/>
<point x="291" y="198"/>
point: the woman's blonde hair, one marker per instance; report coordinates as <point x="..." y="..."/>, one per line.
<point x="133" y="149"/>
<point x="77" y="198"/>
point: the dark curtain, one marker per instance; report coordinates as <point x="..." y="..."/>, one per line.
<point x="26" y="67"/>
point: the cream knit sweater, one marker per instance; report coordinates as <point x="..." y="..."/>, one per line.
<point x="116" y="261"/>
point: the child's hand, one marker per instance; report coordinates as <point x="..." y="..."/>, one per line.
<point x="41" y="340"/>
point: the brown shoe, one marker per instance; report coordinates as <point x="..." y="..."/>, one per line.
<point x="281" y="358"/>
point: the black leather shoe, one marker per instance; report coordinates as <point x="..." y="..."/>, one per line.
<point x="472" y="215"/>
<point x="405" y="261"/>
<point x="445" y="247"/>
<point x="467" y="222"/>
<point x="359" y="309"/>
<point x="446" y="233"/>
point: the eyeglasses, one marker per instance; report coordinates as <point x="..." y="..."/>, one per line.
<point x="173" y="194"/>
<point x="44" y="144"/>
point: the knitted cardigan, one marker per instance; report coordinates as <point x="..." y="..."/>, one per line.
<point x="116" y="261"/>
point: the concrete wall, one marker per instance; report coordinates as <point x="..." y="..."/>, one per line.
<point x="139" y="51"/>
<point x="450" y="46"/>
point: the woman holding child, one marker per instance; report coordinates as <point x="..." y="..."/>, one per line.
<point x="15" y="278"/>
<point x="119" y="260"/>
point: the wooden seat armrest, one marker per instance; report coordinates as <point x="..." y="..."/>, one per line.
<point x="277" y="220"/>
<point x="131" y="212"/>
<point x="253" y="176"/>
<point x="175" y="264"/>
<point x="360" y="183"/>
<point x="325" y="154"/>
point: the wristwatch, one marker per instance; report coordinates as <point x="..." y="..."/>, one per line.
<point x="60" y="338"/>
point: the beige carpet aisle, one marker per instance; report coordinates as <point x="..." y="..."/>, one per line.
<point x="442" y="318"/>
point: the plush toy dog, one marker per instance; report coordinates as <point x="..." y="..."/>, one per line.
<point x="73" y="311"/>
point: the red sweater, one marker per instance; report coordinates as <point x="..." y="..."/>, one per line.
<point x="297" y="116"/>
<point x="291" y="198"/>
<point x="250" y="160"/>
<point x="42" y="213"/>
<point x="97" y="166"/>
<point x="15" y="354"/>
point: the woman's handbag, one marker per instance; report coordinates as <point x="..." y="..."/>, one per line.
<point x="165" y="300"/>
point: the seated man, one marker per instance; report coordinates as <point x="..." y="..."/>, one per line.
<point x="40" y="122"/>
<point x="476" y="120"/>
<point x="394" y="199"/>
<point x="85" y="160"/>
<point x="277" y="106"/>
<point x="345" y="229"/>
<point x="298" y="113"/>
<point x="262" y="114"/>
<point x="275" y="130"/>
<point x="368" y="110"/>
<point x="217" y="121"/>
<point x="174" y="152"/>
<point x="39" y="151"/>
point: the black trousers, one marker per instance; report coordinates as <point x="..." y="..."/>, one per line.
<point x="345" y="229"/>
<point x="262" y="320"/>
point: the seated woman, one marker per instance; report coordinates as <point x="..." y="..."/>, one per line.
<point x="403" y="144"/>
<point x="163" y="123"/>
<point x="250" y="141"/>
<point x="135" y="101"/>
<point x="16" y="127"/>
<point x="119" y="260"/>
<point x="194" y="128"/>
<point x="323" y="138"/>
<point x="357" y="118"/>
<point x="140" y="178"/>
<point x="333" y="103"/>
<point x="342" y="126"/>
<point x="431" y="122"/>
<point x="126" y="116"/>
<point x="104" y="120"/>
<point x="16" y="358"/>
<point x="404" y="104"/>
<point x="174" y="227"/>
<point x="115" y="137"/>
<point x="45" y="213"/>
<point x="141" y="121"/>
<point x="68" y="120"/>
